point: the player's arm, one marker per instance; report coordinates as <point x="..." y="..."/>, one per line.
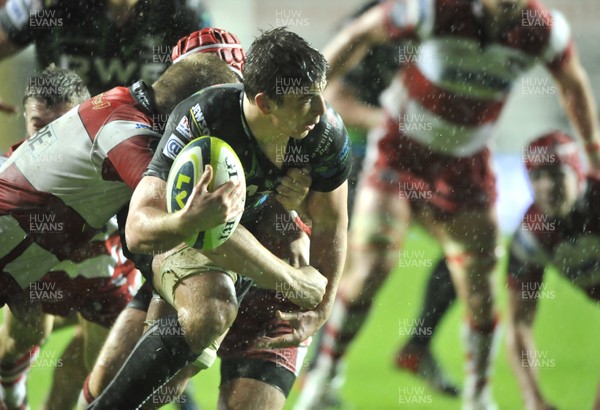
<point x="328" y="243"/>
<point x="580" y="106"/>
<point x="351" y="44"/>
<point x="523" y="285"/>
<point x="243" y="253"/>
<point x="354" y="112"/>
<point x="151" y="228"/>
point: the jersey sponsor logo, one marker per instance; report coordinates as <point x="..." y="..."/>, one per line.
<point x="184" y="128"/>
<point x="173" y="146"/>
<point x="325" y="142"/>
<point x="198" y="117"/>
<point x="144" y="126"/>
<point x="107" y="70"/>
<point x="98" y="103"/>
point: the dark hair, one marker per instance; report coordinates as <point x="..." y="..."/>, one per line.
<point x="56" y="85"/>
<point x="279" y="57"/>
<point x="184" y="78"/>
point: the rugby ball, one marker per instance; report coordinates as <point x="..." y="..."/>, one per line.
<point x="185" y="174"/>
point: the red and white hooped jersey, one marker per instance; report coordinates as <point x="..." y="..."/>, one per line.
<point x="60" y="187"/>
<point x="458" y="77"/>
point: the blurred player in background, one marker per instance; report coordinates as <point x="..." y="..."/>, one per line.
<point x="126" y="43"/>
<point x="560" y="229"/>
<point x="357" y="96"/>
<point x="432" y="161"/>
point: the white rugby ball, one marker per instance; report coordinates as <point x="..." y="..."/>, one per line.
<point x="185" y="174"/>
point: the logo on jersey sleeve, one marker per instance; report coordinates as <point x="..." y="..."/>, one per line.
<point x="18" y="11"/>
<point x="199" y="120"/>
<point x="173" y="146"/>
<point x="184" y="128"/>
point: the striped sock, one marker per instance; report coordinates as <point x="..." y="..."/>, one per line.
<point x="13" y="378"/>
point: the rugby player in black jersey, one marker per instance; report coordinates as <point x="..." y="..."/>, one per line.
<point x="263" y="121"/>
<point x="124" y="43"/>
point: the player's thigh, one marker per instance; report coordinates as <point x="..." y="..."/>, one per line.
<point x="183" y="276"/>
<point x="380" y="220"/>
<point x="473" y="232"/>
<point x="203" y="294"/>
<point x="250" y="394"/>
<point x="470" y="242"/>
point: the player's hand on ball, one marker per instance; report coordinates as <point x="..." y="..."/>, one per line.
<point x="302" y="324"/>
<point x="293" y="188"/>
<point x="205" y="209"/>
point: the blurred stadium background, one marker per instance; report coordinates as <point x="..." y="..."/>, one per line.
<point x="568" y="325"/>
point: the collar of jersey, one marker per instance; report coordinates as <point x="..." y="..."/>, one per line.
<point x="249" y="134"/>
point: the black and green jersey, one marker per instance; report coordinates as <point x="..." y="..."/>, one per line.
<point x="216" y="111"/>
<point x="84" y="37"/>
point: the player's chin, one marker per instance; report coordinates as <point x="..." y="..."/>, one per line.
<point x="300" y="134"/>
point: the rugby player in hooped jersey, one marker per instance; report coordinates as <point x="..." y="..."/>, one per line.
<point x="432" y="161"/>
<point x="560" y="229"/>
<point x="260" y="122"/>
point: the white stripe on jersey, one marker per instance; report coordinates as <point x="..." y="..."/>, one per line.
<point x="114" y="133"/>
<point x="443" y="136"/>
<point x="560" y="36"/>
<point x="101" y="266"/>
<point x="459" y="65"/>
<point x="527" y="248"/>
<point x="427" y="18"/>
<point x="31" y="265"/>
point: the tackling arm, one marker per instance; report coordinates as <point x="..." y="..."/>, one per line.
<point x="354" y="112"/>
<point x="350" y="45"/>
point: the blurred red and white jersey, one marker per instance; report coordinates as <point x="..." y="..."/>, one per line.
<point x="59" y="189"/>
<point x="458" y="74"/>
<point x="570" y="244"/>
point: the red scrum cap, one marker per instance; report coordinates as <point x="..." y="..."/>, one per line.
<point x="222" y="43"/>
<point x="554" y="148"/>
